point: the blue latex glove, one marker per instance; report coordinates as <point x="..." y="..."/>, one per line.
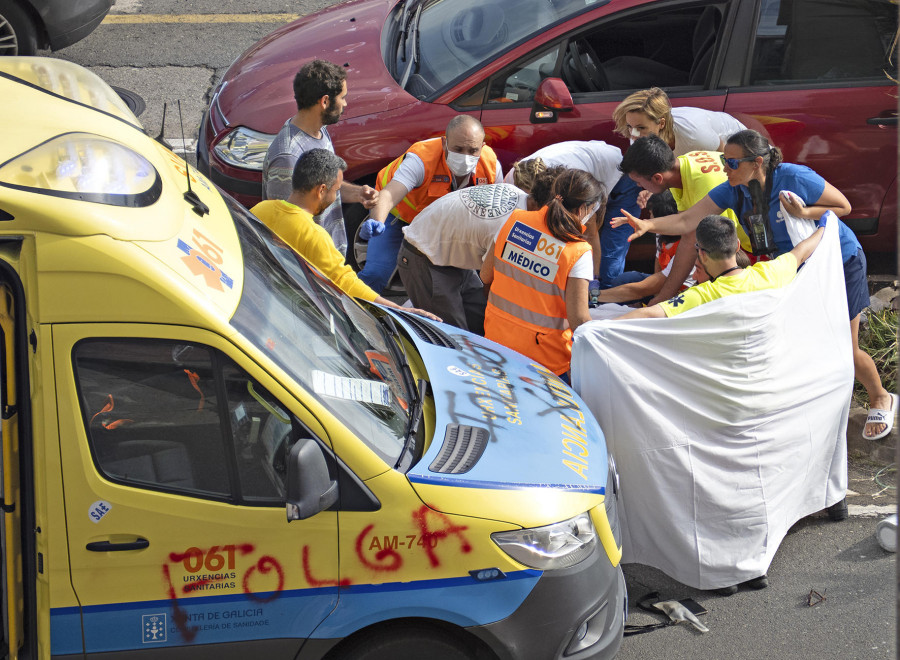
<point x="823" y="220"/>
<point x="370" y="228"/>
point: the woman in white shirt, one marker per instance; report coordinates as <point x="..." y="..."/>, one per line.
<point x="684" y="129"/>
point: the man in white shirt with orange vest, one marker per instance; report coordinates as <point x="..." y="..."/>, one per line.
<point x="428" y="170"/>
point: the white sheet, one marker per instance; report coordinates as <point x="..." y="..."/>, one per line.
<point x="727" y="423"/>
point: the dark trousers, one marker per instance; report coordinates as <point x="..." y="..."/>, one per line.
<point x="454" y="294"/>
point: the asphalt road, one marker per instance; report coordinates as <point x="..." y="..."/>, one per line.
<point x="177" y="50"/>
<point x="841" y="560"/>
<point x="171" y="50"/>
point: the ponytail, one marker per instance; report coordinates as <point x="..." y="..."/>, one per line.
<point x="571" y="190"/>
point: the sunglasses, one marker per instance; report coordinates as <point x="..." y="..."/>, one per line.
<point x="698" y="247"/>
<point x="734" y="163"/>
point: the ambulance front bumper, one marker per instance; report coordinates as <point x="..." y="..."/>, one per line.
<point x="576" y="613"/>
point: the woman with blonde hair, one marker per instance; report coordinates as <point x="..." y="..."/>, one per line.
<point x="684" y="129"/>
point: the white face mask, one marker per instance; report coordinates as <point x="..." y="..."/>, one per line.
<point x="461" y="164"/>
<point x="590" y="214"/>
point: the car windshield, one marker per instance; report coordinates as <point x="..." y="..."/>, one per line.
<point x="432" y="42"/>
<point x="321" y="337"/>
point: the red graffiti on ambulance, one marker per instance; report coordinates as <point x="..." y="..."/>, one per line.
<point x="179" y="616"/>
<point x="432" y="536"/>
<point x="313" y="581"/>
<point x="264" y="565"/>
<point x="390" y="560"/>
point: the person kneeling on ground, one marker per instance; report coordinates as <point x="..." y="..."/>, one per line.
<point x="316" y="180"/>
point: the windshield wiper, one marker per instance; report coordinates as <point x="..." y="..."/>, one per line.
<point x="411" y="445"/>
<point x="404" y="30"/>
<point x="386" y="322"/>
<point x="412" y="33"/>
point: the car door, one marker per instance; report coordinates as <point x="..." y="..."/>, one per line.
<point x="173" y="448"/>
<point x="607" y="55"/>
<point x="814" y="72"/>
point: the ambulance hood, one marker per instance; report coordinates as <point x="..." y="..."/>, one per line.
<point x="503" y="422"/>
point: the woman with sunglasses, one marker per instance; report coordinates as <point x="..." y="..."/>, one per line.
<point x="758" y="183"/>
<point x="538" y="272"/>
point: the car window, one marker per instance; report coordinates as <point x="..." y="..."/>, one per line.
<point x="173" y="416"/>
<point x="434" y="42"/>
<point x="806" y="40"/>
<point x="519" y="83"/>
<point x="662" y="48"/>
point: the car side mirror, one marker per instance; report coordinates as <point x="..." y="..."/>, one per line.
<point x="310" y="488"/>
<point x="551" y="98"/>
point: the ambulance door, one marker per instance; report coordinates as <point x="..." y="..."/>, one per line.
<point x="174" y="447"/>
<point x="13" y="605"/>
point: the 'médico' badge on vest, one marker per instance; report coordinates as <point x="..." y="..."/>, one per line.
<point x="533" y="251"/>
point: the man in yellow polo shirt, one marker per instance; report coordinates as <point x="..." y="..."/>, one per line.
<point x="652" y="164"/>
<point x="717" y="245"/>
<point x="317" y="178"/>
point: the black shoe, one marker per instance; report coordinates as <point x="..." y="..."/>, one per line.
<point x="757" y="583"/>
<point x="838" y="511"/>
<point x="726" y="591"/>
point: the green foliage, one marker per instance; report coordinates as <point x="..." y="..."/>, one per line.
<point x="878" y="338"/>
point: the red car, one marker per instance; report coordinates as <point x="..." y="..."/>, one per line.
<point x="809" y="73"/>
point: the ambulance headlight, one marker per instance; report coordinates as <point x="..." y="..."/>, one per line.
<point x="85" y="167"/>
<point x="559" y="545"/>
<point x="244" y="148"/>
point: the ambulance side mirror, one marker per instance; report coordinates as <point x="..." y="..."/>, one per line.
<point x="310" y="488"/>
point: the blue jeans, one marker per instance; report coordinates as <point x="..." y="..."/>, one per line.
<point x="628" y="277"/>
<point x="381" y="256"/>
<point x="614" y="242"/>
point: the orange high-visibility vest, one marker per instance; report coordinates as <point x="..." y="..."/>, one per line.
<point x="526" y="308"/>
<point x="438" y="178"/>
<point x="665" y="253"/>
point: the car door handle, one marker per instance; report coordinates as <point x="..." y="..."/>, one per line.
<point x="108" y="546"/>
<point x="882" y="121"/>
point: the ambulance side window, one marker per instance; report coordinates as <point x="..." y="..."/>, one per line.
<point x="262" y="432"/>
<point x="181" y="417"/>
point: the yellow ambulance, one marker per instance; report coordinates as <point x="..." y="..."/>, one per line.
<point x="209" y="451"/>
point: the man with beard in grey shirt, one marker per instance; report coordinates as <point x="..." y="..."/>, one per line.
<point x="320" y="89"/>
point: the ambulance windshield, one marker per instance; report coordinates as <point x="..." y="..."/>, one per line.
<point x="321" y="337"/>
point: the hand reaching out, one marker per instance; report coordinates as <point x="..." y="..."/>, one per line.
<point x="368" y="197"/>
<point x="641" y="227"/>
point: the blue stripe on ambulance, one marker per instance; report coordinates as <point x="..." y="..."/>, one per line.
<point x="219" y="619"/>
